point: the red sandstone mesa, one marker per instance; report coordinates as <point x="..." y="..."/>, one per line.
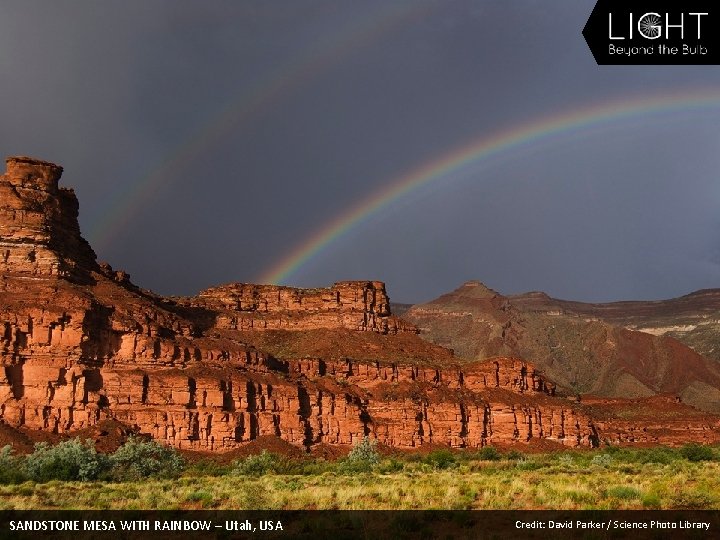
<point x="82" y="344"/>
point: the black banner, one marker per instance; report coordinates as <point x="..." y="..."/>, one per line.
<point x="660" y="32"/>
<point x="376" y="525"/>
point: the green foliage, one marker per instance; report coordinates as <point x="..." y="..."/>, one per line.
<point x="581" y="497"/>
<point x="254" y="496"/>
<point x="529" y="465"/>
<point x="692" y="500"/>
<point x="651" y="501"/>
<point x="441" y="459"/>
<point x="489" y="453"/>
<point x="363" y="457"/>
<point x="204" y="498"/>
<point x="661" y="454"/>
<point x="389" y="466"/>
<point x="138" y="459"/>
<point x="11" y="470"/>
<point x="514" y="455"/>
<point x="206" y="467"/>
<point x="602" y="460"/>
<point x="69" y="460"/>
<point x="624" y="492"/>
<point x="256" y="465"/>
<point x="315" y="467"/>
<point x="697" y="452"/>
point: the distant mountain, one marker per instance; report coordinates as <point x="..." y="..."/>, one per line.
<point x="693" y="319"/>
<point x="584" y="348"/>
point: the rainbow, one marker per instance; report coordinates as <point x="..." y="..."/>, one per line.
<point x="268" y="90"/>
<point x="444" y="167"/>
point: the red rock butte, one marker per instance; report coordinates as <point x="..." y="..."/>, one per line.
<point x="81" y="344"/>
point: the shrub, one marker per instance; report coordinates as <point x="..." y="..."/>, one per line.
<point x="138" y="458"/>
<point x="363" y="457"/>
<point x="651" y="501"/>
<point x="205" y="499"/>
<point x="206" y="467"/>
<point x="314" y="467"/>
<point x="11" y="471"/>
<point x="69" y="460"/>
<point x="391" y="465"/>
<point x="515" y="455"/>
<point x="602" y="460"/>
<point x="529" y="465"/>
<point x="489" y="453"/>
<point x="256" y="465"/>
<point x="441" y="459"/>
<point x="697" y="452"/>
<point x="691" y="500"/>
<point x="660" y="454"/>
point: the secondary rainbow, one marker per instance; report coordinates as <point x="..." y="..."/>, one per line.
<point x="443" y="168"/>
<point x="277" y="83"/>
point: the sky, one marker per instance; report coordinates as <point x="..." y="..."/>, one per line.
<point x="209" y="141"/>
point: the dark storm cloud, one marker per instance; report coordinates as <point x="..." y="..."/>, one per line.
<point x="357" y="94"/>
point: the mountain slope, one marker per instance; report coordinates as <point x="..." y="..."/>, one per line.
<point x="583" y="355"/>
<point x="693" y="319"/>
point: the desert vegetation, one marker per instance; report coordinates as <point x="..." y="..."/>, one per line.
<point x="145" y="475"/>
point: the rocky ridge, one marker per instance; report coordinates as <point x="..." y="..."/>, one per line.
<point x="693" y="319"/>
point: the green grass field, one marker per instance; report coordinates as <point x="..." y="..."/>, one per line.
<point x="659" y="478"/>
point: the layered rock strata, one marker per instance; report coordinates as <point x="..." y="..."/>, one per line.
<point x="355" y="305"/>
<point x="39" y="232"/>
<point x="79" y="344"/>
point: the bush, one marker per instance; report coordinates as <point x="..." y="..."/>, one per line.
<point x="143" y="459"/>
<point x="69" y="460"/>
<point x="256" y="465"/>
<point x="489" y="453"/>
<point x="362" y="458"/>
<point x="515" y="455"/>
<point x="652" y="501"/>
<point x="660" y="454"/>
<point x="602" y="460"/>
<point x="11" y="471"/>
<point x="441" y="459"/>
<point x="206" y="467"/>
<point x="692" y="500"/>
<point x="697" y="452"/>
<point x="391" y="465"/>
<point x="205" y="498"/>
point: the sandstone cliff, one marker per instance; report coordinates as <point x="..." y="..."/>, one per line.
<point x="80" y="344"/>
<point x="350" y="304"/>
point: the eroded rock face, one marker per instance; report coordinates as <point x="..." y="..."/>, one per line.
<point x="39" y="232"/>
<point x="355" y="305"/>
<point x="79" y="344"/>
